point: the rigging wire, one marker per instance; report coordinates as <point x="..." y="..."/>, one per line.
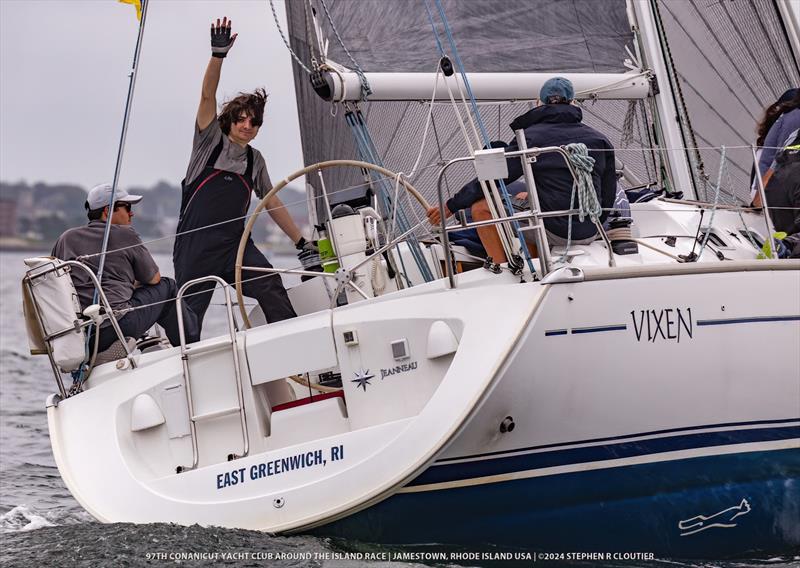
<point x="696" y="161"/>
<point x="309" y="35"/>
<point x="365" y="88"/>
<point x="714" y="208"/>
<point x="285" y="41"/>
<point x="80" y="375"/>
<point x="369" y="153"/>
<point x="503" y="190"/>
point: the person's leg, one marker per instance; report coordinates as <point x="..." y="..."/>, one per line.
<point x="558" y="241"/>
<point x="267" y="289"/>
<point x="168" y="319"/>
<point x="189" y="266"/>
<point x="490" y="238"/>
<point x="147" y="304"/>
<point x="196" y="299"/>
<point x="488" y="233"/>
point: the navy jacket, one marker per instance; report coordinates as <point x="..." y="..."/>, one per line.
<point x="555" y="125"/>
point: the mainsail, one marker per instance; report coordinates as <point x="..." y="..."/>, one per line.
<point x="492" y="36"/>
<point x="731" y="59"/>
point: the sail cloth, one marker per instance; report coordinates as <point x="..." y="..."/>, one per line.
<point x="491" y="35"/>
<point x="733" y="60"/>
<point x="582" y="36"/>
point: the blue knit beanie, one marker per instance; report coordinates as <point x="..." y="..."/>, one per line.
<point x="557" y="87"/>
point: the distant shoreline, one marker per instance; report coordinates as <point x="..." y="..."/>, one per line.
<point x="10" y="244"/>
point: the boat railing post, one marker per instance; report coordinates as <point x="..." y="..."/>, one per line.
<point x="186" y="351"/>
<point x="762" y="194"/>
<point x="443" y="221"/>
<point x="542" y="244"/>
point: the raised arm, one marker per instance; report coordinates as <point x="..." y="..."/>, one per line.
<point x="221" y="42"/>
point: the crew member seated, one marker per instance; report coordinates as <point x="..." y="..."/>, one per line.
<point x="130" y="278"/>
<point x="555" y="122"/>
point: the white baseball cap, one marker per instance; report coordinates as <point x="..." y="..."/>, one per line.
<point x="100" y="195"/>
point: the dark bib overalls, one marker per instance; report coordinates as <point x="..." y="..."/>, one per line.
<point x="214" y="197"/>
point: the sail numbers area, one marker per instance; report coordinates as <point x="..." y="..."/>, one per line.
<point x="278" y="466"/>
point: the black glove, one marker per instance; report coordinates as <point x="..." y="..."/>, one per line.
<point x="308" y="255"/>
<point x="782" y="250"/>
<point x="221" y="40"/>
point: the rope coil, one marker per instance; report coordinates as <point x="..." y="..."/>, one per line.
<point x="588" y="204"/>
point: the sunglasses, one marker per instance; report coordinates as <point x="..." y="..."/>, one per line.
<point x="254" y="121"/>
<point x="121" y="205"/>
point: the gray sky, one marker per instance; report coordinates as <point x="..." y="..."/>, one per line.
<point x="64" y="79"/>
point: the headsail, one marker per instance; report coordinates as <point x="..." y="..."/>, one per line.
<point x="734" y="59"/>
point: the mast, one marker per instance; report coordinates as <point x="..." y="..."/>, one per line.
<point x="790" y="14"/>
<point x="672" y="140"/>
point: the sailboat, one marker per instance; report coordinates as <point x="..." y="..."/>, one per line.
<point x="589" y="397"/>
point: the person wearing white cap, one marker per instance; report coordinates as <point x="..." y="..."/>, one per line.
<point x="130" y="278"/>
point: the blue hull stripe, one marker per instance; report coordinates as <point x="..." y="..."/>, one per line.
<point x="636" y="508"/>
<point x="617" y="327"/>
<point x="700" y="323"/>
<point x="441" y="473"/>
<point x="550" y="332"/>
<point x="747" y="320"/>
<point x="689" y="429"/>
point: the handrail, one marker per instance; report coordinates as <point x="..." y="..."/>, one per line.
<point x="543" y="251"/>
<point x="186" y="351"/>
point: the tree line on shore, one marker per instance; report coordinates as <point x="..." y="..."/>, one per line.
<point x="41" y="211"/>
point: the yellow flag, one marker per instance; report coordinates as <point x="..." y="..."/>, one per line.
<point x="138" y="4"/>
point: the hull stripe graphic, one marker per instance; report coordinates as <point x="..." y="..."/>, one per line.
<point x="446" y="472"/>
<point x="761" y="319"/>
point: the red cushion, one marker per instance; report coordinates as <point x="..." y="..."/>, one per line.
<point x="307" y="400"/>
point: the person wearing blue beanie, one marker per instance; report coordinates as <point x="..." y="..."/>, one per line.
<point x="555" y="122"/>
<point x="557" y="90"/>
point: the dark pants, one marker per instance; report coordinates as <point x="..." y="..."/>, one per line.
<point x="266" y="288"/>
<point x="136" y="323"/>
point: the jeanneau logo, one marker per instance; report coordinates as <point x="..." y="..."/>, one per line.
<point x="404" y="368"/>
<point x="362" y="378"/>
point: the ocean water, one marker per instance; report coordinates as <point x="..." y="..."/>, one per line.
<point x="42" y="525"/>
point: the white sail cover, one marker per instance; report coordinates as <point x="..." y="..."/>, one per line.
<point x="59" y="308"/>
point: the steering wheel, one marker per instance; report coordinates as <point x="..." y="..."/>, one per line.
<point x="283" y="183"/>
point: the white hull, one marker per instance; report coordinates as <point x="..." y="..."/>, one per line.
<point x="595" y="360"/>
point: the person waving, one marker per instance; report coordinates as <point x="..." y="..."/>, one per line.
<point x="223" y="172"/>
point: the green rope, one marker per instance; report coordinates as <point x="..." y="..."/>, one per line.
<point x="583" y="187"/>
<point x="588" y="204"/>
